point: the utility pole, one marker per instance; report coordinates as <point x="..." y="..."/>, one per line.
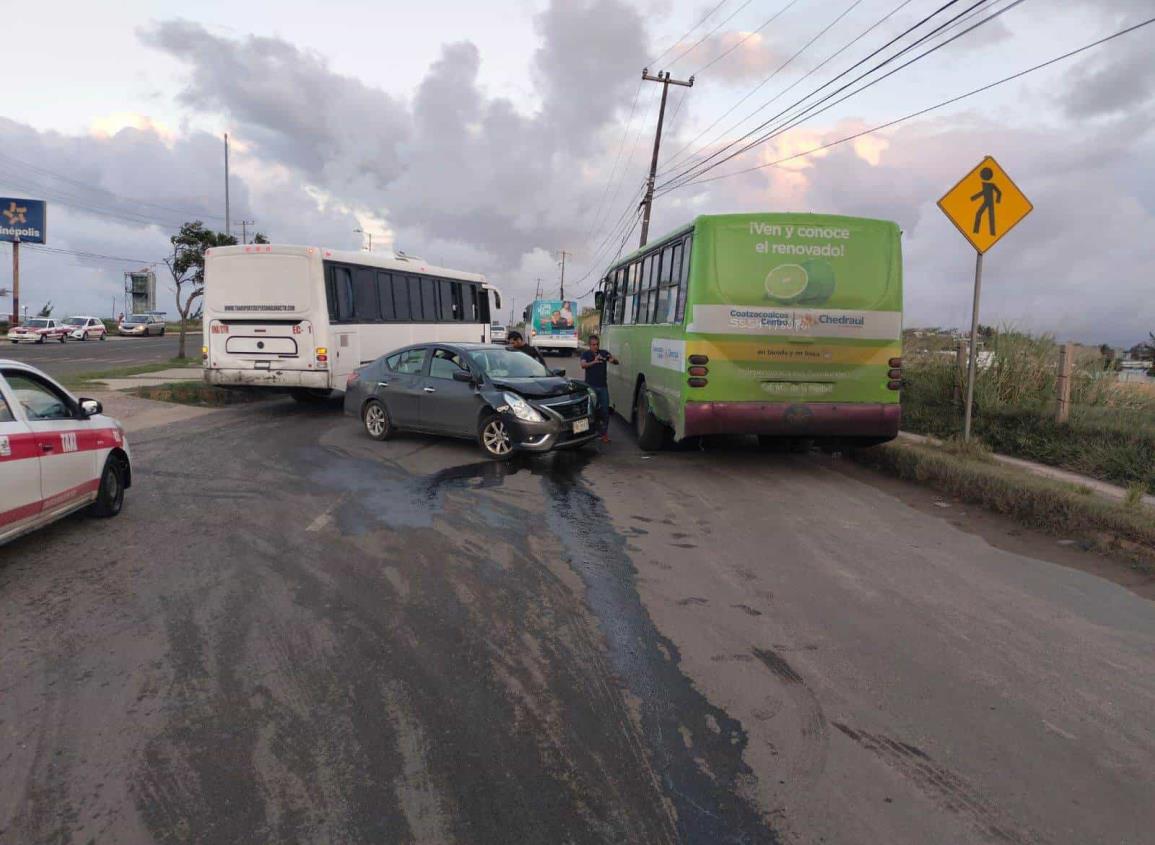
<point x="537" y="293"/>
<point x="245" y="224"/>
<point x="563" y="256"/>
<point x="648" y="203"/>
<point x="368" y="235"/>
<point x="16" y="282"/>
<point x="228" y="222"/>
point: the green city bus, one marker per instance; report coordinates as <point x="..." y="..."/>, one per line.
<point x="777" y="325"/>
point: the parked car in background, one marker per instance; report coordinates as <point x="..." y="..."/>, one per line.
<point x="503" y="399"/>
<point x="498" y="333"/>
<point x="38" y="330"/>
<point x="141" y="325"/>
<point x="58" y="454"/>
<point x="85" y="328"/>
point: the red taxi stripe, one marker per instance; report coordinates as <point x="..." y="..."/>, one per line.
<point x="25" y="511"/>
<point x="27" y="444"/>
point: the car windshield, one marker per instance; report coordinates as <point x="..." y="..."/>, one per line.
<point x="508" y="363"/>
<point x="137" y="319"/>
<point x="37" y="324"/>
<point x="76" y="321"/>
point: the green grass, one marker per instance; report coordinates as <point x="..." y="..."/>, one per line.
<point x="87" y="379"/>
<point x="199" y="393"/>
<point x="1110" y="435"/>
<point x="1056" y="507"/>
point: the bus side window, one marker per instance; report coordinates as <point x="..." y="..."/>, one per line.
<point x="385" y="294"/>
<point x="620" y="302"/>
<point x="684" y="281"/>
<point x="458" y="301"/>
<point x="661" y="313"/>
<point x="428" y="300"/>
<point x="401" y="297"/>
<point x="414" y="298"/>
<point x="447" y="315"/>
<point x="343" y="295"/>
<point x="667" y="309"/>
<point x="482" y="304"/>
<point x="365" y="306"/>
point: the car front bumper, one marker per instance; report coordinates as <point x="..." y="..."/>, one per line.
<point x="548" y="435"/>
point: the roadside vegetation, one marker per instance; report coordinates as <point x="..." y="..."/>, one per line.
<point x="1059" y="508"/>
<point x="199" y="393"/>
<point x="1111" y="431"/>
<point x="93" y="379"/>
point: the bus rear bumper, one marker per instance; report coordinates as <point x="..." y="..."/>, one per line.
<point x="234" y="377"/>
<point x="806" y="419"/>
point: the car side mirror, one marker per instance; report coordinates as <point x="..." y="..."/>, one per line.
<point x="599" y="300"/>
<point x="558" y="373"/>
<point x="91" y="407"/>
<point x="463" y="375"/>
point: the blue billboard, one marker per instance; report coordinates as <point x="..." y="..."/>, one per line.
<point x="23" y="220"/>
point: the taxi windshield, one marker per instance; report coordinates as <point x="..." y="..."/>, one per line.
<point x="37" y="324"/>
<point x="75" y="321"/>
<point x="136" y="318"/>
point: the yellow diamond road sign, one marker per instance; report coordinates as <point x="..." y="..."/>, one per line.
<point x="985" y="204"/>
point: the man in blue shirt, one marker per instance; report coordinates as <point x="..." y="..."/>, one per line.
<point x="593" y="361"/>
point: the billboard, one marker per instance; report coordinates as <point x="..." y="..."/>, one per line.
<point x="23" y="220"/>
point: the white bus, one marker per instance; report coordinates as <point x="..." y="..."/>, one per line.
<point x="303" y="318"/>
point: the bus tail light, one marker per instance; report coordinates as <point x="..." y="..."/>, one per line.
<point x="894" y="385"/>
<point x="204" y="353"/>
<point x="696" y="382"/>
<point x="698" y="371"/>
<point x="322" y="356"/>
<point x="893" y="374"/>
<point x="895" y="362"/>
<point x="699" y="360"/>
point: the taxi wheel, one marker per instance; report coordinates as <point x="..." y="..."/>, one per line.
<point x="110" y="495"/>
<point x="84" y="336"/>
<point x="103" y="335"/>
<point x="40" y="339"/>
<point x="494" y="439"/>
<point x="376" y="420"/>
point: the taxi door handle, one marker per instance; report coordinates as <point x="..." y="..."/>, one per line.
<point x="46" y="447"/>
<point x="429" y="389"/>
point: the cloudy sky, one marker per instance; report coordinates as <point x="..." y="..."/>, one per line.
<point x="489" y="136"/>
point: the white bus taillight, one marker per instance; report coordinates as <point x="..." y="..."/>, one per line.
<point x="322" y="357"/>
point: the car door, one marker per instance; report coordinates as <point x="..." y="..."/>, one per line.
<point x="399" y="386"/>
<point x="20" y="494"/>
<point x="68" y="470"/>
<point x="447" y="405"/>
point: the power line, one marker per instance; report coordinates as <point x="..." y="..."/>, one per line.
<point x="707" y="16"/>
<point x="936" y="106"/>
<point x="749" y="35"/>
<point x="674" y="158"/>
<point x="699" y="42"/>
<point x="94" y="256"/>
<point x="93" y="187"/>
<point x="689" y="173"/>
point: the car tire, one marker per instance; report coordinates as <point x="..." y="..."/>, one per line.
<point x="110" y="494"/>
<point x="84" y="336"/>
<point x="63" y="338"/>
<point x="40" y="339"/>
<point x="103" y="335"/>
<point x="494" y="439"/>
<point x="375" y="417"/>
<point x="310" y="395"/>
<point x="651" y="431"/>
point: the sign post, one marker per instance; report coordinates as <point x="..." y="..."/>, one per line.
<point x="986" y="192"/>
<point x="24" y="221"/>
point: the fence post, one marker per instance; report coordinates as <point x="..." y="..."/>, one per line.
<point x="960" y="359"/>
<point x="1063" y="382"/>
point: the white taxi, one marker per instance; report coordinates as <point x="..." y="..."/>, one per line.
<point x="58" y="454"/>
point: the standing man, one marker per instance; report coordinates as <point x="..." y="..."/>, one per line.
<point x="516" y="341"/>
<point x="593" y="361"/>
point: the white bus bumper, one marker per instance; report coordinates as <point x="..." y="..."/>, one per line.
<point x="236" y="377"/>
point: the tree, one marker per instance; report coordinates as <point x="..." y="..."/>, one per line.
<point x="46" y="311"/>
<point x="187" y="266"/>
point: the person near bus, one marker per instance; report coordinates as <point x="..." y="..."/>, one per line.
<point x="514" y="340"/>
<point x="594" y="361"/>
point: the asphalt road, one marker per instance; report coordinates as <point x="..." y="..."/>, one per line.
<point x="63" y="360"/>
<point x="296" y="634"/>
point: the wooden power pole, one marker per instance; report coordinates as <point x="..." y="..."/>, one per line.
<point x="648" y="202"/>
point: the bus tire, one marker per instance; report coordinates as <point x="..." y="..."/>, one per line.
<point x="651" y="431"/>
<point x="378" y="425"/>
<point x="310" y="395"/>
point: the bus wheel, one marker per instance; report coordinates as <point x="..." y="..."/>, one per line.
<point x="651" y="431"/>
<point x="310" y="395"/>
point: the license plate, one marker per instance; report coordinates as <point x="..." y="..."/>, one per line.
<point x="580" y="426"/>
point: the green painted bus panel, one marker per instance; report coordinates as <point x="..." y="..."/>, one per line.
<point x="789" y="308"/>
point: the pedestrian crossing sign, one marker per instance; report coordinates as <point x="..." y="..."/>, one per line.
<point x="985" y="204"/>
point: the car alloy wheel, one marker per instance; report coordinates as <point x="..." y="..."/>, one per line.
<point x="495" y="439"/>
<point x="377" y="422"/>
